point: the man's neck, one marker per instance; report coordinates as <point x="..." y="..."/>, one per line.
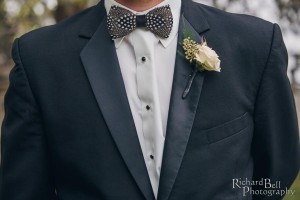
<point x="139" y="5"/>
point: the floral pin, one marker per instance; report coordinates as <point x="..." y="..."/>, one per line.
<point x="201" y="56"/>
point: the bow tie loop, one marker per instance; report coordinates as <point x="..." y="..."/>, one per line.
<point x="141" y="20"/>
<point x="121" y="21"/>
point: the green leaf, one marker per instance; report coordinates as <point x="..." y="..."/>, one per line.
<point x="186" y="31"/>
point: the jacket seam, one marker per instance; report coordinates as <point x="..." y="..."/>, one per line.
<point x="43" y="134"/>
<point x="265" y="68"/>
<point x="20" y="58"/>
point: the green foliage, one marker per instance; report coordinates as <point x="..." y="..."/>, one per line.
<point x="296" y="187"/>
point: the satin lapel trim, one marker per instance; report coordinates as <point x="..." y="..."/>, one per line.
<point x="102" y="68"/>
<point x="181" y="116"/>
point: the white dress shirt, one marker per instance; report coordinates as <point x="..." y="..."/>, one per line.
<point x="147" y="64"/>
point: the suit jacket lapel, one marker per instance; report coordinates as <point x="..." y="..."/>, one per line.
<point x="102" y="68"/>
<point x="182" y="111"/>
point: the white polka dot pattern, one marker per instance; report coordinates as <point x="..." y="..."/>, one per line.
<point x="121" y="21"/>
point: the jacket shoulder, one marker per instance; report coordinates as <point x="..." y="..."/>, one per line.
<point x="56" y="40"/>
<point x="250" y="35"/>
<point x="234" y="22"/>
<point x="65" y="30"/>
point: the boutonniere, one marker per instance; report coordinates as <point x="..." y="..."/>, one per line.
<point x="201" y="56"/>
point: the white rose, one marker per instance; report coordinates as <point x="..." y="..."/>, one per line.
<point x="208" y="58"/>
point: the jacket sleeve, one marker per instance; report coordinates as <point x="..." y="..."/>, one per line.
<point x="25" y="171"/>
<point x="276" y="139"/>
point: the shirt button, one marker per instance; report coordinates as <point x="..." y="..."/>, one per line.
<point x="152" y="157"/>
<point x="144" y="59"/>
<point x="148" y="107"/>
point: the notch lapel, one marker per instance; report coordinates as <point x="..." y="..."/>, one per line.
<point x="102" y="68"/>
<point x="182" y="111"/>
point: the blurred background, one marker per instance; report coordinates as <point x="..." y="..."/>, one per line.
<point x="20" y="16"/>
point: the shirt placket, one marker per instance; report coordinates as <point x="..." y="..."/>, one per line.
<point x="144" y="47"/>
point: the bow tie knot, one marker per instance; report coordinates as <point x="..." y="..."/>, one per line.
<point x="121" y="21"/>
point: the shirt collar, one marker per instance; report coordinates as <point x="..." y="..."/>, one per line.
<point x="176" y="10"/>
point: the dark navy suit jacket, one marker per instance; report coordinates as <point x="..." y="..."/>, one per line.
<point x="68" y="132"/>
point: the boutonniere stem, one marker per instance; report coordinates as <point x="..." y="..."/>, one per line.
<point x="190" y="83"/>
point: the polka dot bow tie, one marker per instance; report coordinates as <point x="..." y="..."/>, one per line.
<point x="121" y="21"/>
